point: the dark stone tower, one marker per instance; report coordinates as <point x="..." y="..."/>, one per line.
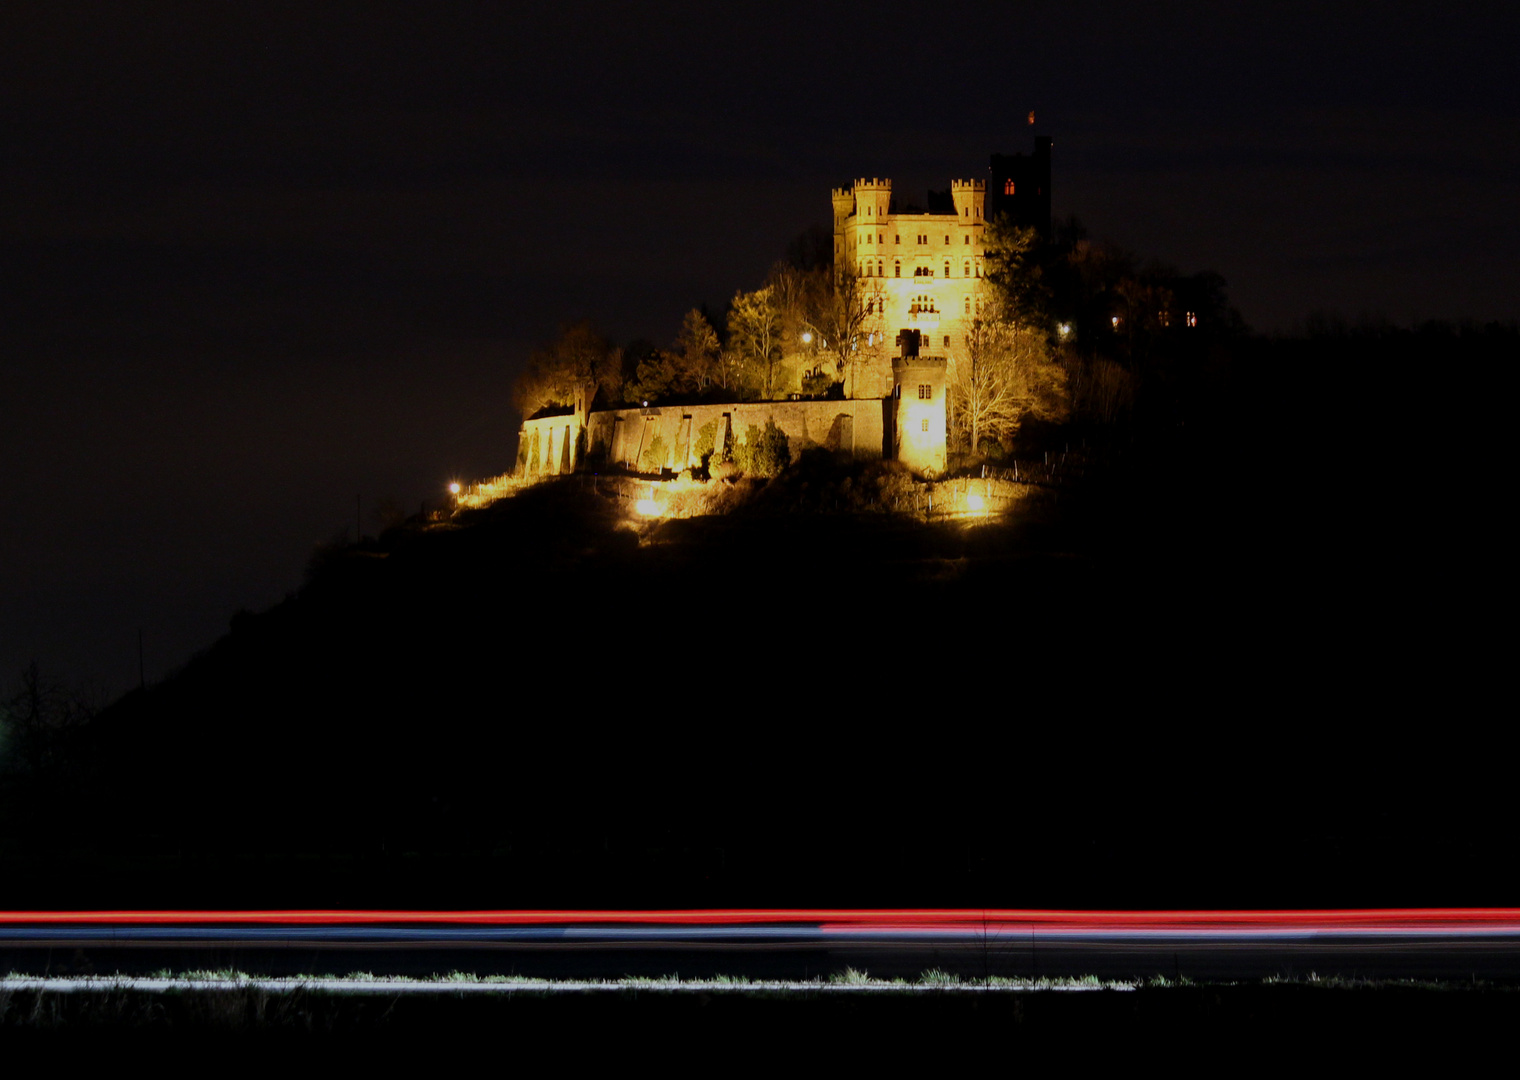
<point x="1020" y="187"/>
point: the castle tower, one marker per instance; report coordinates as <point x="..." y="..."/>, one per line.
<point x="1021" y="187"/>
<point x="918" y="391"/>
<point x="873" y="200"/>
<point x="844" y="207"/>
<point x="844" y="210"/>
<point x="970" y="199"/>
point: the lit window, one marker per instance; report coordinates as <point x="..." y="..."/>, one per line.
<point x="1008" y="187"/>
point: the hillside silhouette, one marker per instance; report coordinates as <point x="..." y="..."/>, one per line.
<point x="1217" y="671"/>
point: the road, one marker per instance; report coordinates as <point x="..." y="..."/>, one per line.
<point x="790" y="944"/>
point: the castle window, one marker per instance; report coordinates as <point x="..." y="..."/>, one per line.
<point x="925" y="392"/>
<point x="897" y="266"/>
<point x="967" y="238"/>
<point x="878" y="268"/>
<point x="947" y="267"/>
<point x="968" y="305"/>
<point x="1008" y="187"/>
<point x="897" y="238"/>
<point x="925" y="423"/>
<point x="947" y="341"/>
<point x="880" y="238"/>
<point x="966" y="270"/>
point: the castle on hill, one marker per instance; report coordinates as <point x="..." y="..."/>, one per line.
<point x="920" y="275"/>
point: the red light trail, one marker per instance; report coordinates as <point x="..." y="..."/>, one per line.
<point x="1504" y="921"/>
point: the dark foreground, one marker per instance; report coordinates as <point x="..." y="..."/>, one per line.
<point x="1277" y="1026"/>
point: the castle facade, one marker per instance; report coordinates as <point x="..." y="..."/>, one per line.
<point x="919" y="272"/>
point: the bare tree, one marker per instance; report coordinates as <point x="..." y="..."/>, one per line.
<point x="1101" y="390"/>
<point x="1002" y="374"/>
<point x="36" y="720"/>
<point x="842" y="312"/>
<point x="755" y="333"/>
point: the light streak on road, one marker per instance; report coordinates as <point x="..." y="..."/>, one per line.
<point x="802" y="927"/>
<point x="1445" y="943"/>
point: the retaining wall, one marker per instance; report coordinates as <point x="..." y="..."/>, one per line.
<point x="625" y="436"/>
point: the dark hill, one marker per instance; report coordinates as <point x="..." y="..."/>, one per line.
<point x="1231" y="667"/>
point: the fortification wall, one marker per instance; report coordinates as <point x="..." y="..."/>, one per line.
<point x="626" y="436"/>
<point x="549" y="446"/>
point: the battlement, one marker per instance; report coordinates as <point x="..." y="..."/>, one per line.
<point x="968" y="185"/>
<point x="841" y="193"/>
<point x="873" y="184"/>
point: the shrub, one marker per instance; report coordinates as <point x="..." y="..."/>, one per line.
<point x="992" y="449"/>
<point x="707" y="437"/>
<point x="653" y="457"/>
<point x="722" y="470"/>
<point x="816" y="384"/>
<point x="763" y="453"/>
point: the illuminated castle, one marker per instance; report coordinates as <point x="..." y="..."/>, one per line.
<point x="919" y="274"/>
<point x="919" y="271"/>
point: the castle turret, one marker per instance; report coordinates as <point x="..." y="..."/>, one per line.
<point x="844" y="206"/>
<point x="970" y="199"/>
<point x="873" y="199"/>
<point x="919" y="398"/>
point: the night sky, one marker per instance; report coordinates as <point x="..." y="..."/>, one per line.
<point x="258" y="259"/>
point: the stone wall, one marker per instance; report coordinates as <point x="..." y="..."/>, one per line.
<point x="626" y="436"/>
<point x="549" y="446"/>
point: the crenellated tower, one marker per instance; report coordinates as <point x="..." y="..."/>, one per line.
<point x="970" y="199"/>
<point x="844" y="207"/>
<point x="873" y="200"/>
